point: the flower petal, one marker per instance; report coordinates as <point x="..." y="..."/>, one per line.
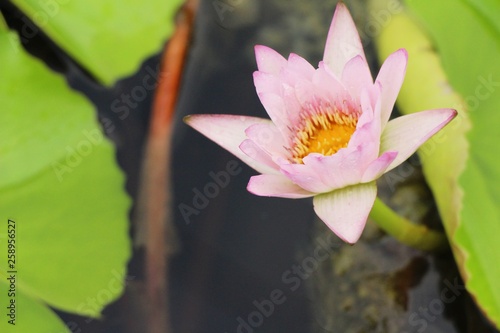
<point x="268" y="138"/>
<point x="276" y="186"/>
<point x="300" y="65"/>
<point x="329" y="87"/>
<point x="292" y="105"/>
<point x="368" y="128"/>
<point x="342" y="43"/>
<point x="356" y="76"/>
<point x="405" y="134"/>
<point x="391" y="76"/>
<point x="341" y="169"/>
<point x="345" y="211"/>
<point x="268" y="60"/>
<point x="275" y="108"/>
<point x="378" y="167"/>
<point x="256" y="153"/>
<point x="228" y="131"/>
<point x="305" y="176"/>
<point x="267" y="83"/>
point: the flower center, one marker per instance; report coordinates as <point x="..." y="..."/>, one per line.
<point x="323" y="132"/>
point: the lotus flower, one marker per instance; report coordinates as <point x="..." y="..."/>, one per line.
<point x="329" y="136"/>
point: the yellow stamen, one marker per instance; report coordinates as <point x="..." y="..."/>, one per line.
<point x="323" y="131"/>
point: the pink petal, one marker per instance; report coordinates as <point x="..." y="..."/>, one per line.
<point x="378" y="167"/>
<point x="292" y="105"/>
<point x="405" y="134"/>
<point x="391" y="76"/>
<point x="373" y="97"/>
<point x="291" y="77"/>
<point x="305" y="176"/>
<point x="275" y="108"/>
<point x="306" y="93"/>
<point x="256" y="153"/>
<point x="342" y="169"/>
<point x="228" y="131"/>
<point x="268" y="138"/>
<point x="368" y="128"/>
<point x="276" y="186"/>
<point x="267" y="83"/>
<point x="356" y="76"/>
<point x="342" y="43"/>
<point x="300" y="65"/>
<point x="345" y="211"/>
<point x="268" y="60"/>
<point x="327" y="87"/>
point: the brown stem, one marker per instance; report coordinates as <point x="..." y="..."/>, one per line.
<point x="154" y="208"/>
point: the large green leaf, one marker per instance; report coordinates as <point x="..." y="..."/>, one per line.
<point x="60" y="183"/>
<point x="110" y="38"/>
<point x="461" y="164"/>
<point x="30" y="315"/>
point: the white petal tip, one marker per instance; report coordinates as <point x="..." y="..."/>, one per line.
<point x="194" y="119"/>
<point x="345" y="211"/>
<point x="403" y="52"/>
<point x="350" y="238"/>
<point x="268" y="60"/>
<point x="268" y="185"/>
<point x="342" y="8"/>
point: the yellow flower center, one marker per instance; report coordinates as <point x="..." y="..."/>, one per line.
<point x="323" y="132"/>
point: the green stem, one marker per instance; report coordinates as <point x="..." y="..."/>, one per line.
<point x="408" y="233"/>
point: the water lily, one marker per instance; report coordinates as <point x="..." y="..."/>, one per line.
<point x="329" y="136"/>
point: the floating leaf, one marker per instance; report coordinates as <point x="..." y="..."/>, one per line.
<point x="110" y="38"/>
<point x="461" y="163"/>
<point x="30" y="315"/>
<point x="60" y="183"/>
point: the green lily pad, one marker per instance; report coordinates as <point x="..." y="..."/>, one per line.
<point x="460" y="164"/>
<point x="27" y="315"/>
<point x="109" y="38"/>
<point x="60" y="183"/>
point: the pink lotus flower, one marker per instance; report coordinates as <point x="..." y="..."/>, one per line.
<point x="329" y="136"/>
